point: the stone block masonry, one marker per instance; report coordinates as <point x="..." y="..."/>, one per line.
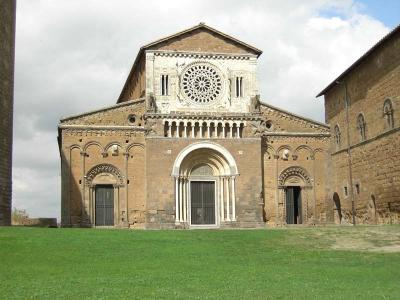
<point x="7" y="50"/>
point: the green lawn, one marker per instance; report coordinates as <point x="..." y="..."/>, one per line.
<point x="306" y="263"/>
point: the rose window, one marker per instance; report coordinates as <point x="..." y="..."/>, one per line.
<point x="201" y="83"/>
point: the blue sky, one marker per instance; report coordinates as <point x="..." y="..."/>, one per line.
<point x="387" y="11"/>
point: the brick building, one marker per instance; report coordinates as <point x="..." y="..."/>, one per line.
<point x="190" y="144"/>
<point x="7" y="38"/>
<point x="362" y="107"/>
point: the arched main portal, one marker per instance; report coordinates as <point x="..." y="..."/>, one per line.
<point x="295" y="182"/>
<point x="205" y="175"/>
<point x="104" y="182"/>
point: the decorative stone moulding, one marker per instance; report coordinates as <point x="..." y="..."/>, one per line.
<point x="203" y="55"/>
<point x="296" y="172"/>
<point x="104" y="168"/>
<point x="202" y="83"/>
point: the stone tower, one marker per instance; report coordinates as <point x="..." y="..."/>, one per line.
<point x="7" y="47"/>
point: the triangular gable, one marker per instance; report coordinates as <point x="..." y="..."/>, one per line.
<point x="202" y="38"/>
<point x="112" y="115"/>
<point x="199" y="38"/>
<point x="285" y="121"/>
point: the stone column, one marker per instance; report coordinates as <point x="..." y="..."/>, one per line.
<point x="169" y="129"/>
<point x="176" y="199"/>
<point x="238" y="130"/>
<point x="201" y="130"/>
<point x="281" y="199"/>
<point x="126" y="187"/>
<point x="193" y="126"/>
<point x="90" y="206"/>
<point x="314" y="192"/>
<point x="233" y="198"/>
<point x="83" y="200"/>
<point x="208" y="130"/>
<point x="181" y="200"/>
<point x="228" y="218"/>
<point x="116" y="207"/>
<point x="276" y="157"/>
<point x="185" y="130"/>
<point x="221" y="198"/>
<point x="185" y="199"/>
<point x="223" y="130"/>
<point x="215" y="130"/>
<point x="230" y="130"/>
<point x="93" y="195"/>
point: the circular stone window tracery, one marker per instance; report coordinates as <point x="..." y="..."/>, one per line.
<point x="201" y="83"/>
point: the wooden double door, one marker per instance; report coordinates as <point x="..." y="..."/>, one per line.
<point x="202" y="195"/>
<point x="293" y="205"/>
<point x="104" y="210"/>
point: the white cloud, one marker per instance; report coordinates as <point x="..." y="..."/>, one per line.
<point x="73" y="56"/>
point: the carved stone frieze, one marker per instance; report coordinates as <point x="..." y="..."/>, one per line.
<point x="290" y="172"/>
<point x="104" y="168"/>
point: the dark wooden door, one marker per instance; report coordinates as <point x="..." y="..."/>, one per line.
<point x="289" y="206"/>
<point x="104" y="205"/>
<point x="202" y="195"/>
<point x="293" y="205"/>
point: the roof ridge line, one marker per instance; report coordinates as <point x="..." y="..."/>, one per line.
<point x="102" y="109"/>
<point x="295" y="115"/>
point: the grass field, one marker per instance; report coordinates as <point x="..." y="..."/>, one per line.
<point x="305" y="263"/>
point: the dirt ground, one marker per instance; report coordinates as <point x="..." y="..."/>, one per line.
<point x="384" y="238"/>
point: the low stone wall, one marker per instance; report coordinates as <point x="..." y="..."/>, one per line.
<point x="37" y="222"/>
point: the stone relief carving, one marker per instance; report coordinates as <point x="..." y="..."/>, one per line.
<point x="255" y="104"/>
<point x="150" y="127"/>
<point x="152" y="105"/>
<point x="294" y="172"/>
<point x="104" y="168"/>
<point x="259" y="127"/>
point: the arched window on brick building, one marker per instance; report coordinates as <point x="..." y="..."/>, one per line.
<point x="361" y="126"/>
<point x="388" y="114"/>
<point x="337" y="136"/>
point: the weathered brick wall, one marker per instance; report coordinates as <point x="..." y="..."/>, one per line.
<point x="115" y="115"/>
<point x="375" y="161"/>
<point x="306" y="143"/>
<point x="282" y="121"/>
<point x="202" y="40"/>
<point x="160" y="198"/>
<point x="376" y="168"/>
<point x="84" y="149"/>
<point x="7" y="47"/>
<point x="86" y="146"/>
<point x="309" y="153"/>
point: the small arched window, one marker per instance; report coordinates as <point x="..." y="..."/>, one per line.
<point x="337" y="136"/>
<point x="361" y="126"/>
<point x="388" y="114"/>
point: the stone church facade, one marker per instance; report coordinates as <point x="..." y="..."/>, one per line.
<point x="362" y="106"/>
<point x="190" y="144"/>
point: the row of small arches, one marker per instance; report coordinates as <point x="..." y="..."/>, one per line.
<point x="107" y="147"/>
<point x="203" y="129"/>
<point x="285" y="151"/>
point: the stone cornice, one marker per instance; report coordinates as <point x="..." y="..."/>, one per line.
<point x="101" y="127"/>
<point x="201" y="55"/>
<point x="205" y="116"/>
<point x="297" y="134"/>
